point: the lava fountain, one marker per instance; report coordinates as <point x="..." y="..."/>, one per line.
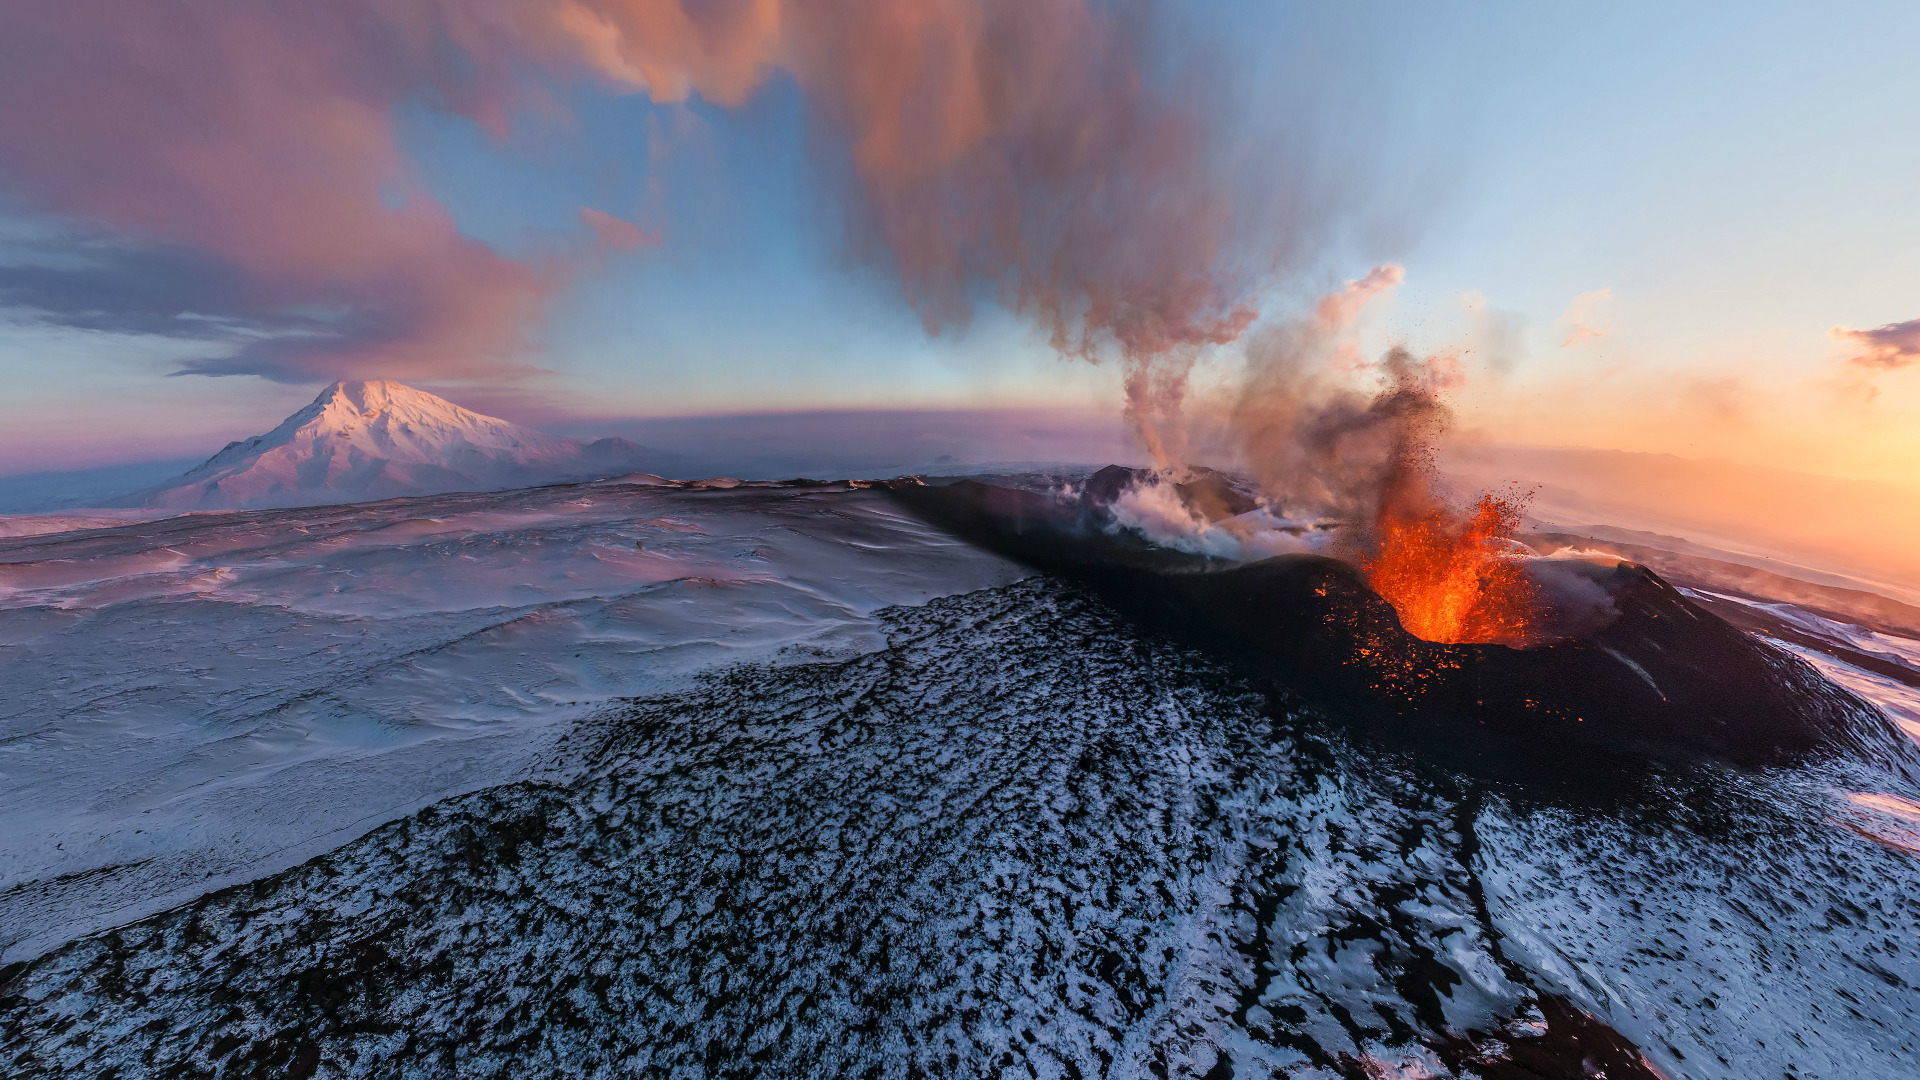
<point x="1453" y="575"/>
<point x="1455" y="578"/>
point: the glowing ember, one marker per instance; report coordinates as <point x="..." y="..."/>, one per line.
<point x="1452" y="577"/>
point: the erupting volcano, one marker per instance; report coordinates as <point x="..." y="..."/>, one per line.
<point x="1454" y="578"/>
<point x="1441" y="633"/>
<point x="399" y="741"/>
<point x="1344" y="570"/>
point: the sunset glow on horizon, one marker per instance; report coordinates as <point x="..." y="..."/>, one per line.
<point x="1683" y="233"/>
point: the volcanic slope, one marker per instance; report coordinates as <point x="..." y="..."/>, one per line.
<point x="360" y="441"/>
<point x="1019" y="840"/>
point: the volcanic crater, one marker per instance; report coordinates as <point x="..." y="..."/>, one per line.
<point x="1645" y="678"/>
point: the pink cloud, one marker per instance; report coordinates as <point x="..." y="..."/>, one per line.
<point x="1883" y="348"/>
<point x="260" y="135"/>
<point x="616" y="234"/>
<point x="1337" y="312"/>
<point x="1017" y="147"/>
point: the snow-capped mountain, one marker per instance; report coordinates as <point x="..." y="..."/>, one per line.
<point x="379" y="439"/>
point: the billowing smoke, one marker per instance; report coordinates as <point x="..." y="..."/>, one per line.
<point x="1314" y="438"/>
<point x="1328" y="433"/>
<point x="1026" y="149"/>
<point x="1324" y="430"/>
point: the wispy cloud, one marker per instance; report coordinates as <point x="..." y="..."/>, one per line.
<point x="1581" y="320"/>
<point x="258" y="137"/>
<point x="616" y="234"/>
<point x="95" y="283"/>
<point x="1884" y="348"/>
<point x="1497" y="339"/>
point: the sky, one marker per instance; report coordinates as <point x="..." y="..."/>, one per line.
<point x="1683" y="229"/>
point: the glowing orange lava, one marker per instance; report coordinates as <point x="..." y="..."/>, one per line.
<point x="1451" y="576"/>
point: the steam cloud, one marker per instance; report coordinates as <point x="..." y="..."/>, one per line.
<point x="1884" y="348"/>
<point x="1015" y="146"/>
<point x="1311" y="437"/>
<point x="1344" y="450"/>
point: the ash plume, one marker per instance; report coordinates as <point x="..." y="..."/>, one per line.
<point x="1311" y="438"/>
<point x="1033" y="151"/>
<point x="1320" y="444"/>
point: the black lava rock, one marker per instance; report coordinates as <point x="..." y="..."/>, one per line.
<point x="1665" y="681"/>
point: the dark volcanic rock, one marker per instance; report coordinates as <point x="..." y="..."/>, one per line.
<point x="1019" y="842"/>
<point x="1665" y="680"/>
<point x="1023" y="840"/>
<point x="1108" y="484"/>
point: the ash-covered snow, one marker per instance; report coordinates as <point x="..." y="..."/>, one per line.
<point x="800" y="788"/>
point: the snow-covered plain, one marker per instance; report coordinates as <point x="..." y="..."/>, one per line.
<point x="202" y="698"/>
<point x="631" y="779"/>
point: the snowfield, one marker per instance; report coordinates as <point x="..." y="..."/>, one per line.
<point x="203" y="698"/>
<point x="635" y="779"/>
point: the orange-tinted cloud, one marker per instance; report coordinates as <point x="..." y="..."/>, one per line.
<point x="1016" y="146"/>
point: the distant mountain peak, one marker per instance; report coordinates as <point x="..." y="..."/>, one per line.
<point x="376" y="439"/>
<point x="350" y="401"/>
